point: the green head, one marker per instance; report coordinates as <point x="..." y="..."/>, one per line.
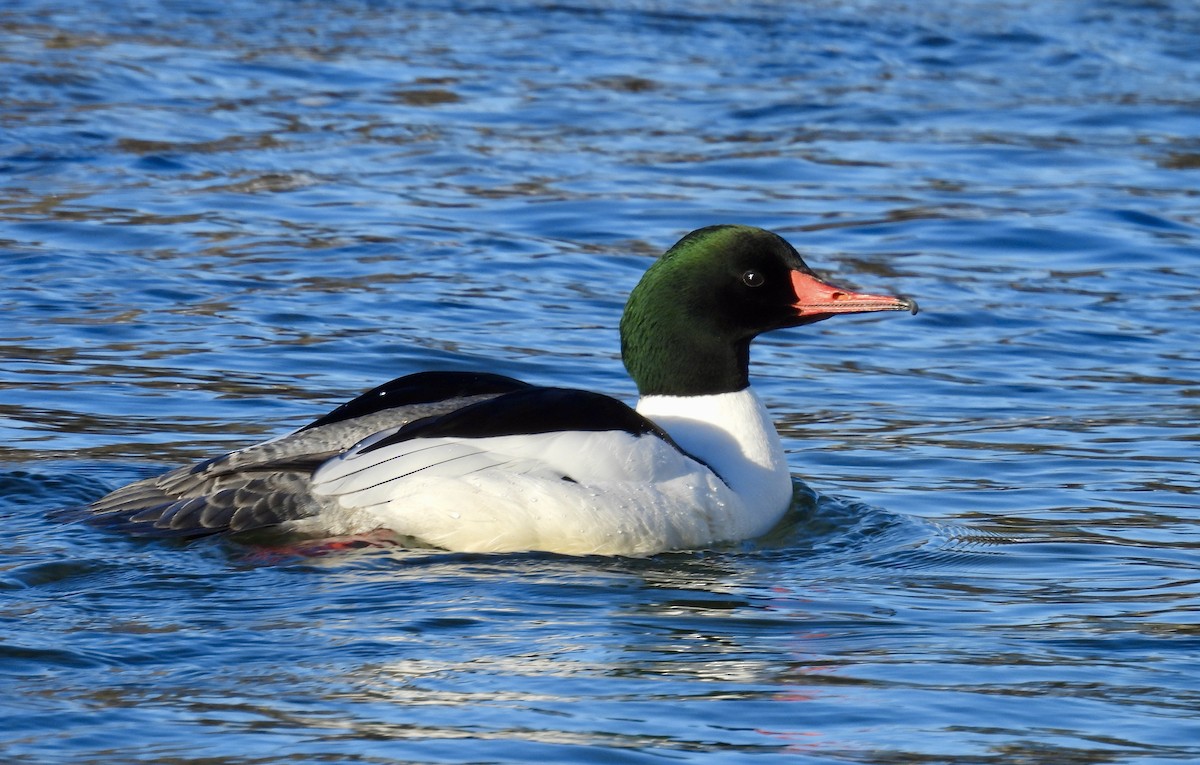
<point x="689" y="322"/>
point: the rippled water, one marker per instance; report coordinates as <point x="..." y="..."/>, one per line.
<point x="218" y="220"/>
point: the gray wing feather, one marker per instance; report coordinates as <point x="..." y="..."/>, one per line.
<point x="257" y="487"/>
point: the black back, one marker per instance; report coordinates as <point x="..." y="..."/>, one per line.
<point x="420" y="388"/>
<point x="530" y="410"/>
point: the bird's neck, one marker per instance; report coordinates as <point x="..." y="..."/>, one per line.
<point x="689" y="367"/>
<point x="669" y="354"/>
<point x="673" y="343"/>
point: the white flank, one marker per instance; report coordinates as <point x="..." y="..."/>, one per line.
<point x="602" y="492"/>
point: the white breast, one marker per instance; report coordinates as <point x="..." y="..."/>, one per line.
<point x="733" y="434"/>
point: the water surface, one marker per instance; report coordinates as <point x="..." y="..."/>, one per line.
<point x="217" y="221"/>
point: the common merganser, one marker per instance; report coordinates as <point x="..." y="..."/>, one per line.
<point x="477" y="462"/>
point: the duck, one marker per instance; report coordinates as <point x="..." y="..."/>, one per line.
<point x="477" y="462"/>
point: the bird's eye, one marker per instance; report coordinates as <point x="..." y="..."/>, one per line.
<point x="753" y="279"/>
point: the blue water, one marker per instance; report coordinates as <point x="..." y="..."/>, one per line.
<point x="218" y="220"/>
